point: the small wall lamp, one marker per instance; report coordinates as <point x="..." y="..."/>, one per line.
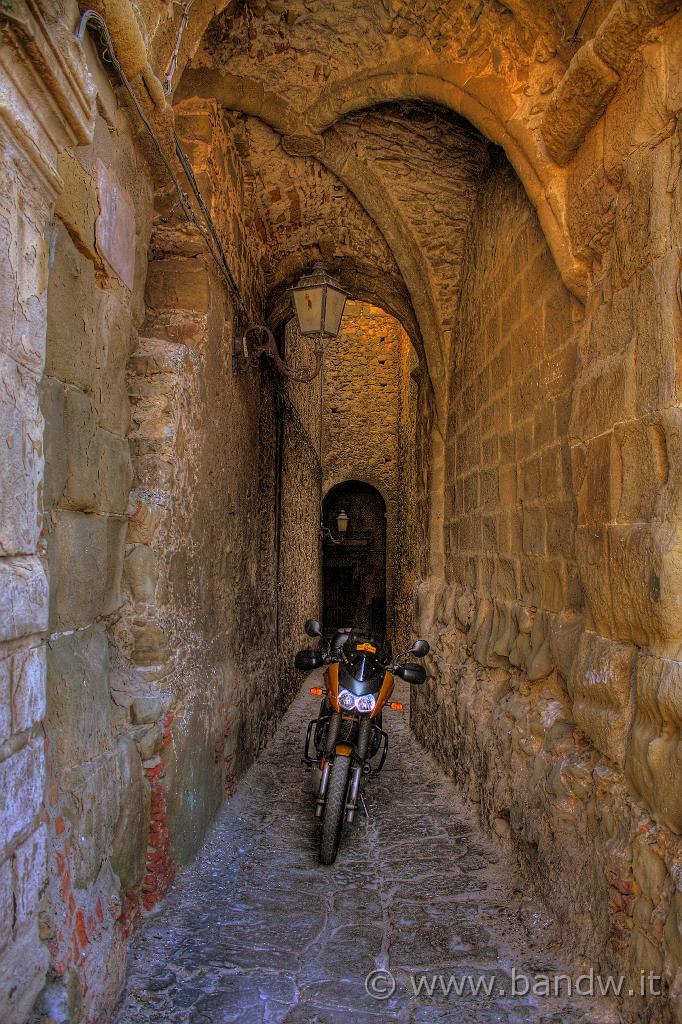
<point x="342" y="521"/>
<point x="318" y="303"/>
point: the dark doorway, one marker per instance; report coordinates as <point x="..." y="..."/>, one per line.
<point x="354" y="562"/>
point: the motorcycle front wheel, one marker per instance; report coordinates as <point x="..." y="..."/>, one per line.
<point x="334" y="808"/>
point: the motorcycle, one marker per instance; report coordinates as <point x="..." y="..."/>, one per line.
<point x="349" y="744"/>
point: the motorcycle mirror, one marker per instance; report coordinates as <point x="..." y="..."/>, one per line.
<point x="313" y="628"/>
<point x="307" y="660"/>
<point x="415" y="674"/>
<point x="420" y="648"/>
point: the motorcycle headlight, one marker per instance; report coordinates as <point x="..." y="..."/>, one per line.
<point x="346" y="700"/>
<point x="366" y="704"/>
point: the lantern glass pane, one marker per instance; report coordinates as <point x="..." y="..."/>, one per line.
<point x="336" y="301"/>
<point x="308" y="303"/>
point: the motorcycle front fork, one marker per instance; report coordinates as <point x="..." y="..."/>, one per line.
<point x="322" y="791"/>
<point x="359" y="766"/>
<point x="353" y="793"/>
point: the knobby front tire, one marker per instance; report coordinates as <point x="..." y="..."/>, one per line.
<point x="334" y="809"/>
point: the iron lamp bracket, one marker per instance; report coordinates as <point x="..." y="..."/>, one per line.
<point x="258" y="340"/>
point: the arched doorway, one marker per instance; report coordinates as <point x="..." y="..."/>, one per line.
<point x="354" y="562"/>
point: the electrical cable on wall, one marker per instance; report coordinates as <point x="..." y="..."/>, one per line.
<point x="208" y="231"/>
<point x="581" y="21"/>
<point x="173" y="62"/>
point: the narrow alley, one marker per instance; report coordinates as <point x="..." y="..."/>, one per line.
<point x="255" y="931"/>
<point x="366" y="312"/>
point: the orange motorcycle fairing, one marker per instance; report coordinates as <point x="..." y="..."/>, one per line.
<point x="332" y="677"/>
<point x="384" y="693"/>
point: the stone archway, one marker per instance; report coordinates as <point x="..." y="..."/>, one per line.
<point x="354" y="562"/>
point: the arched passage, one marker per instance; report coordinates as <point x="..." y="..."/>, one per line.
<point x="354" y="559"/>
<point x="498" y="117"/>
<point x="154" y="578"/>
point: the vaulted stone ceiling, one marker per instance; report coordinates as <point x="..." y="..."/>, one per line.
<point x="345" y="115"/>
<point x="430" y="164"/>
<point x="426" y="163"/>
<point x="302" y="213"/>
<point x="311" y="41"/>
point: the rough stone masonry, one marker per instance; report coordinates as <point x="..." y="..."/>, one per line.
<point x="500" y="181"/>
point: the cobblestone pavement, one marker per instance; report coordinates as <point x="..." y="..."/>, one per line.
<point x="256" y="931"/>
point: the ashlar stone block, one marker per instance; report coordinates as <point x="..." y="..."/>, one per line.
<point x="654" y="752"/>
<point x="658" y="322"/>
<point x="73" y="349"/>
<point x="603" y="397"/>
<point x="645" y="570"/>
<point x="645" y="468"/>
<point x="597" y="479"/>
<point x="86" y="558"/>
<point x="643" y="214"/>
<point x="92" y="795"/>
<point x="611" y="326"/>
<point x="25" y="957"/>
<point x="29" y="870"/>
<point x="116" y="331"/>
<point x="178" y="284"/>
<point x="52" y="402"/>
<point x="141" y="573"/>
<point x="5" y="699"/>
<point x="665" y="432"/>
<point x="28" y="688"/>
<point x="21" y="468"/>
<point x="23" y="597"/>
<point x="577" y="104"/>
<point x="114" y="472"/>
<point x="601" y="687"/>
<point x="80" y="427"/>
<point x="99" y="470"/>
<point x="592" y="556"/>
<point x="77" y="206"/>
<point x="115" y="225"/>
<point x="6" y="902"/>
<point x="131" y="832"/>
<point x="81" y="714"/>
<point x="21" y="784"/>
<point x="622" y="32"/>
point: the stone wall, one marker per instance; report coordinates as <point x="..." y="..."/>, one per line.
<point x="95" y="307"/>
<point x="213" y="448"/>
<point x="556" y="631"/>
<point x="296" y="513"/>
<point x="510" y="512"/>
<point x="47" y="100"/>
<point x="369" y="421"/>
<point x="411" y="547"/>
<point x="166" y="670"/>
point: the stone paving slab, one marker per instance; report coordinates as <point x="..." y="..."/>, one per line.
<point x="256" y="931"/>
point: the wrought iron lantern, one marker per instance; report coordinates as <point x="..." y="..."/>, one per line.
<point x="318" y="302"/>
<point x="342" y="521"/>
